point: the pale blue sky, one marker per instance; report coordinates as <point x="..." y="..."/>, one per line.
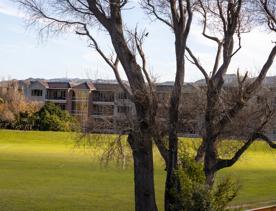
<point x="24" y="55"/>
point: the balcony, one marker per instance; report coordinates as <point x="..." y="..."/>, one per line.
<point x="103" y="96"/>
<point x="56" y="101"/>
<point x="56" y="95"/>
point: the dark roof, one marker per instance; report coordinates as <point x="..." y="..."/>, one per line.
<point x="59" y="85"/>
<point x="42" y="82"/>
<point x="85" y="85"/>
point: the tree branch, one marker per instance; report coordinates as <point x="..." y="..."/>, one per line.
<point x="257" y="82"/>
<point x="257" y="134"/>
<point x="197" y="64"/>
<point x="113" y="65"/>
<point x="223" y="163"/>
<point x="190" y="18"/>
<point x="153" y="11"/>
<point x="175" y="16"/>
<point x="161" y="147"/>
<point x="246" y="93"/>
<point x="217" y="59"/>
<point x="139" y="46"/>
<point x="204" y="14"/>
<point x="78" y="9"/>
<point x="101" y="17"/>
<point x="271" y="18"/>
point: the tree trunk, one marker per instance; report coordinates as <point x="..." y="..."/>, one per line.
<point x="211" y="134"/>
<point x="173" y="116"/>
<point x="210" y="162"/>
<point x="141" y="145"/>
<point x="200" y="153"/>
<point x="210" y="178"/>
<point x="173" y="155"/>
<point x="140" y="139"/>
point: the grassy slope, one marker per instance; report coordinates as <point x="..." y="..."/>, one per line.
<point x="256" y="172"/>
<point x="43" y="171"/>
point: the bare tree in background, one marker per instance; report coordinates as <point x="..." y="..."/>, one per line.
<point x="268" y="10"/>
<point x="177" y="15"/>
<point x="224" y="22"/>
<point x="84" y="16"/>
<point x="13" y="105"/>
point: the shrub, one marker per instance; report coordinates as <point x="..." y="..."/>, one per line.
<point x="52" y="117"/>
<point x="223" y="193"/>
<point x="189" y="192"/>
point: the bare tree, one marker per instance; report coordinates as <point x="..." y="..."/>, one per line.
<point x="177" y="15"/>
<point x="81" y="17"/>
<point x="268" y="10"/>
<point x="13" y="105"/>
<point x="223" y="22"/>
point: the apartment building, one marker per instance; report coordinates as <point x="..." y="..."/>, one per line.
<point x="111" y="107"/>
<point x="102" y="106"/>
<point x="71" y="95"/>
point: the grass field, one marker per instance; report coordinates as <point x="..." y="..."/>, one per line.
<point x="45" y="171"/>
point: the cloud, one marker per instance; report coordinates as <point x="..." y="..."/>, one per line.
<point x="10" y="11"/>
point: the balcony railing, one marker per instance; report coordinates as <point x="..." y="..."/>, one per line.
<point x="55" y="98"/>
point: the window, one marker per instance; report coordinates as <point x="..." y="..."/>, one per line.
<point x="103" y="96"/>
<point x="56" y="94"/>
<point x="37" y="92"/>
<point x="123" y="109"/>
<point x="60" y="94"/>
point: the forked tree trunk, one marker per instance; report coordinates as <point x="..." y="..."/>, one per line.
<point x="140" y="139"/>
<point x="173" y="123"/>
<point x="143" y="172"/>
<point x="211" y="134"/>
<point x="210" y="162"/>
<point x="180" y="44"/>
<point x="173" y="148"/>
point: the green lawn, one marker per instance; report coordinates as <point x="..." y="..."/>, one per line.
<point x="45" y="171"/>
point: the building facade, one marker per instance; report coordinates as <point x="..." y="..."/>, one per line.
<point x="102" y="106"/>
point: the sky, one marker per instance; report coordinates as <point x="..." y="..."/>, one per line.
<point x="23" y="54"/>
